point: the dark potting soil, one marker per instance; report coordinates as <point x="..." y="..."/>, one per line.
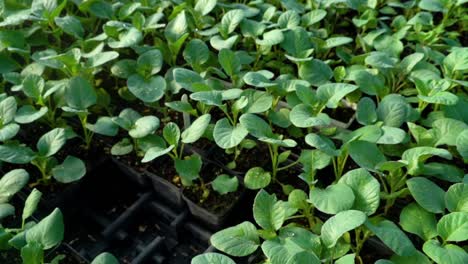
<point x="215" y="202"/>
<point x="249" y="158"/>
<point x="164" y="167"/>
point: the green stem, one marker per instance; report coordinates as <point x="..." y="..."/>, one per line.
<point x="288" y="166"/>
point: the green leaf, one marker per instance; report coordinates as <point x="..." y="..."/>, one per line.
<point x="447" y="254"/>
<point x="30" y="205"/>
<point x="258" y="79"/>
<point x="196" y="52"/>
<point x="104" y="126"/>
<point x="32" y="253"/>
<point x="101" y="58"/>
<point x="293" y="245"/>
<point x="256" y="126"/>
<point x="366" y="190"/>
<point x="5" y="211"/>
<point x="105" y="258"/>
<point x="303" y="116"/>
<point x="219" y="43"/>
<point x="447" y="130"/>
<point x="72" y="169"/>
<point x="365" y="113"/>
<point x="416" y="220"/>
<point x="393" y="237"/>
<point x="456" y="198"/>
<point x="230" y="21"/>
<point x="156" y="152"/>
<point x="33" y="86"/>
<point x="229" y="61"/>
<point x="80" y="94"/>
<point x="148" y="90"/>
<point x="224" y="184"/>
<point x="322" y="143"/>
<point x="9" y="131"/>
<point x="196" y="130"/>
<point x="205" y="6"/>
<point x="212" y="258"/>
<point x="365" y="154"/>
<point x="128" y="38"/>
<point x="257" y="101"/>
<point x="123" y="147"/>
<point x="268" y="212"/>
<point x="171" y="133"/>
<point x="188" y="168"/>
<point x="51" y="142"/>
<point x="454" y="227"/>
<point x="144" y="126"/>
<point x="48" y="232"/>
<point x="337" y="41"/>
<point x="381" y="60"/>
<point x="28" y="114"/>
<point x="227" y="136"/>
<point x="462" y="144"/>
<point x="150" y="61"/>
<point x="240" y="240"/>
<point x="70" y="25"/>
<point x="289" y="19"/>
<point x="334" y="199"/>
<point x="347" y="259"/>
<point x="315" y="71"/>
<point x="457" y="60"/>
<point x="11" y="183"/>
<point x="419" y="258"/>
<point x="337" y="225"/>
<point x="433" y="5"/>
<point x="331" y="93"/>
<point x="271" y="38"/>
<point x="393" y="110"/>
<point x="124" y="68"/>
<point x="257" y="178"/>
<point x="392" y="135"/>
<point x="416" y="157"/>
<point x="176" y="28"/>
<point x="8" y="108"/>
<point x="186" y="78"/>
<point x="297" y="43"/>
<point x="427" y="194"/>
<point x="16" y="154"/>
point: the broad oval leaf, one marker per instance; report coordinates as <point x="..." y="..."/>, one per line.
<point x="49" y="231"/>
<point x="366" y="190"/>
<point x="303" y="116"/>
<point x="80" y="94"/>
<point x="51" y="142"/>
<point x="212" y="258"/>
<point x="448" y="254"/>
<point x="427" y="194"/>
<point x="227" y="136"/>
<point x="456" y="198"/>
<point x="240" y="240"/>
<point x="196" y="130"/>
<point x="72" y="169"/>
<point x="454" y="227"/>
<point x="416" y="220"/>
<point x="257" y="178"/>
<point x="11" y="183"/>
<point x="338" y="225"/>
<point x="144" y="126"/>
<point x="105" y="258"/>
<point x="393" y="237"/>
<point x="334" y="199"/>
<point x="148" y="91"/>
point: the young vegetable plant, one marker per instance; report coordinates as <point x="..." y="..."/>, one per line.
<point x="140" y="129"/>
<point x="256" y="177"/>
<point x="31" y="238"/>
<point x="284" y="243"/>
<point x="71" y="169"/>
